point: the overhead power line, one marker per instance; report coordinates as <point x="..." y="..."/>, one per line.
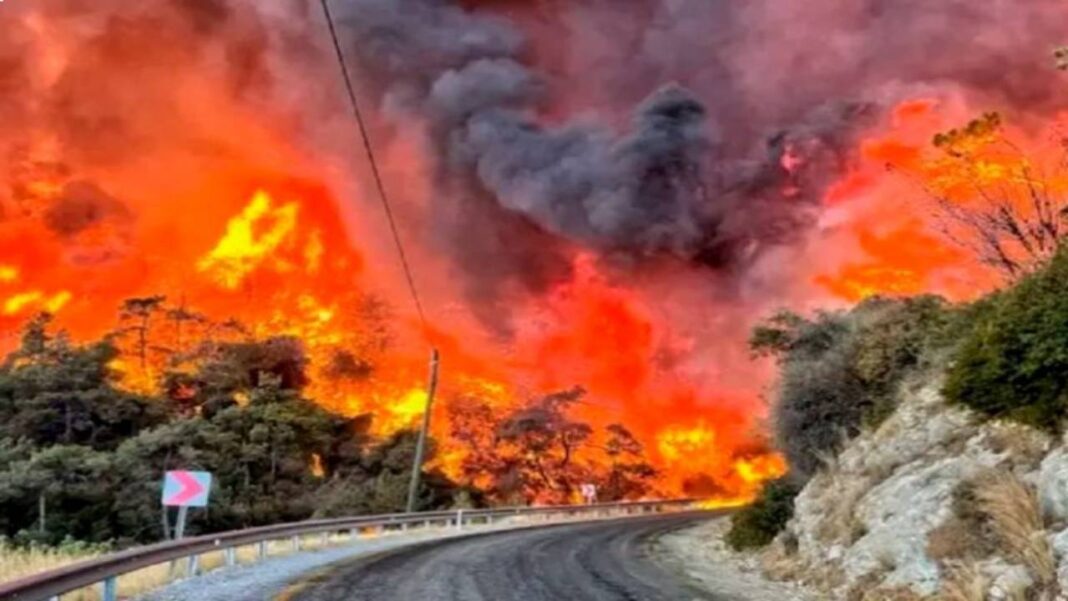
<point x="420" y="447"/>
<point x="383" y="197"/>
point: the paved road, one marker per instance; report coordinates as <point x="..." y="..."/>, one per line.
<point x="602" y="561"/>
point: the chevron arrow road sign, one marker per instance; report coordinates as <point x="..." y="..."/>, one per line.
<point x="186" y="489"/>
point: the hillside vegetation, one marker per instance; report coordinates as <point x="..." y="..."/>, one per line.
<point x="81" y="458"/>
<point x="918" y="436"/>
<point x="1013" y="359"/>
<point x="82" y="455"/>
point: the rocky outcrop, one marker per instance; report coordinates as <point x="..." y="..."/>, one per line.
<point x="885" y="515"/>
<point x="1053" y="485"/>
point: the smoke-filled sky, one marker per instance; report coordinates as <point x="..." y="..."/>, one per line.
<point x="660" y="127"/>
<point x="592" y="192"/>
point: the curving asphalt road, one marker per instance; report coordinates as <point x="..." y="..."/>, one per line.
<point x="600" y="561"/>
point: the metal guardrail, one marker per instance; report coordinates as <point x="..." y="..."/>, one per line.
<point x="106" y="570"/>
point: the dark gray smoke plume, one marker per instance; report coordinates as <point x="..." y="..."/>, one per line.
<point x="772" y="96"/>
<point x="659" y="185"/>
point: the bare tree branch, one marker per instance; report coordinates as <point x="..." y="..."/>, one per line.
<point x="1013" y="221"/>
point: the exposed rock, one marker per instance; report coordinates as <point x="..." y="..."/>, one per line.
<point x="1059" y="542"/>
<point x="920" y="427"/>
<point x="1009" y="581"/>
<point x="867" y="517"/>
<point x="898" y="515"/>
<point x="1053" y="485"/>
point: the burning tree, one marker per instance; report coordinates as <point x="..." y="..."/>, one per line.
<point x="547" y="443"/>
<point x="998" y="200"/>
<point x="629" y="473"/>
<point x="539" y="452"/>
<point x="139" y="311"/>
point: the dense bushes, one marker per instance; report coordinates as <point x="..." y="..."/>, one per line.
<point x="840" y="371"/>
<point x="1013" y="363"/>
<point x="81" y="458"/>
<point x="757" y="525"/>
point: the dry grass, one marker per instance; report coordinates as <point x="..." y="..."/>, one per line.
<point x="893" y="594"/>
<point x="964" y="582"/>
<point x="966" y="536"/>
<point x="842" y="493"/>
<point x="778" y="562"/>
<point x="1025" y="445"/>
<point x="16" y="563"/>
<point x="870" y="588"/>
<point x="951" y="540"/>
<point x="1016" y="519"/>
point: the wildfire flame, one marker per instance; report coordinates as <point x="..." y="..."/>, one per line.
<point x="164" y="180"/>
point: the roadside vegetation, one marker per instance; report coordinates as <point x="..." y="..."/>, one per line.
<point x="839" y="371"/>
<point x="758" y="524"/>
<point x="82" y="459"/>
<point x="1003" y="356"/>
<point x="1012" y="362"/>
<point x="17" y="561"/>
<point x="82" y="456"/>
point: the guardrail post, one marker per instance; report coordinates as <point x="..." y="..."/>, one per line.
<point x="262" y="550"/>
<point x="231" y="557"/>
<point x="354" y="534"/>
<point x="111" y="589"/>
<point x="326" y="539"/>
<point x="193" y="566"/>
<point x="296" y="543"/>
<point x="459" y="519"/>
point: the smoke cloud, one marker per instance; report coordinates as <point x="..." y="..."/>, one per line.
<point x="662" y="184"/>
<point x="743" y="112"/>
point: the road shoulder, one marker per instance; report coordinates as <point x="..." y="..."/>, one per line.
<point x="699" y="553"/>
<point x="277" y="576"/>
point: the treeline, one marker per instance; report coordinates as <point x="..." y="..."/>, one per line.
<point x="82" y="457"/>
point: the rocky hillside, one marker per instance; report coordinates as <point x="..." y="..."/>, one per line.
<point x="927" y="447"/>
<point x="934" y="503"/>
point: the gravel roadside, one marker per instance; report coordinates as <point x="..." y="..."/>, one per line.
<point x="700" y="553"/>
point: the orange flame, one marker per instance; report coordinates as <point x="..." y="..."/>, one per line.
<point x="180" y="181"/>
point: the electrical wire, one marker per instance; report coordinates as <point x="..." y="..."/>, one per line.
<point x="383" y="197"/>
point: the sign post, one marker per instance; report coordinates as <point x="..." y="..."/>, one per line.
<point x="183" y="489"/>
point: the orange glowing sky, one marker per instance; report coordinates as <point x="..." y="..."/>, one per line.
<point x="224" y="207"/>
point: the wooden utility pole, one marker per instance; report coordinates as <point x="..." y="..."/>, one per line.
<point x="420" y="447"/>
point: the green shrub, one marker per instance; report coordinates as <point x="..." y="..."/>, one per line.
<point x="1013" y="362"/>
<point x="758" y="524"/>
<point x="840" y="372"/>
<point x="820" y="404"/>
